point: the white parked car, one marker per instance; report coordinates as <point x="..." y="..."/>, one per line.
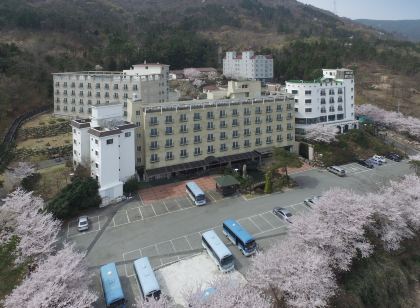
<point x="375" y="160"/>
<point x="83" y="224"/>
<point x="380" y="158"/>
<point x="283" y="214"/>
<point x="311" y="201"/>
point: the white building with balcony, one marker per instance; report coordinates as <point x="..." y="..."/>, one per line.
<point x="105" y="144"/>
<point x="329" y="100"/>
<point x="76" y="92"/>
<point x="248" y="65"/>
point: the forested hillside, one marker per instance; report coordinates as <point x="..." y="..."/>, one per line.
<point x="38" y="37"/>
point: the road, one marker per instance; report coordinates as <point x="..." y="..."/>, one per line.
<point x="173" y="235"/>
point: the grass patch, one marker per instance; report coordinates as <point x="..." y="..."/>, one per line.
<point x="355" y="144"/>
<point x="52" y="180"/>
<point x="10" y="274"/>
<point x="39" y="143"/>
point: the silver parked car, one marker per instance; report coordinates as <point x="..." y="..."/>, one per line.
<point x="311" y="201"/>
<point x="282" y="213"/>
<point x="83" y="224"/>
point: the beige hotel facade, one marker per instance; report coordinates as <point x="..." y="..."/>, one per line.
<point x="188" y="136"/>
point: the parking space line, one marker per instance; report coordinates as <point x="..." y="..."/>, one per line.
<point x="188" y="198"/>
<point x="141" y="200"/>
<point x="141" y="215"/>
<point x="250" y="219"/>
<point x="189" y="244"/>
<point x="157" y="250"/>
<point x="128" y="218"/>
<point x="177" y="202"/>
<point x="266" y="220"/>
<point x="113" y="220"/>
<point x="153" y="209"/>
<point x="173" y="246"/>
<point x="165" y="206"/>
<point x="99" y="224"/>
<point x="214" y="199"/>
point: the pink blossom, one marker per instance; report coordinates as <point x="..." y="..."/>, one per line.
<point x="61" y="280"/>
<point x="301" y="275"/>
<point x="321" y="133"/>
<point x="227" y="293"/>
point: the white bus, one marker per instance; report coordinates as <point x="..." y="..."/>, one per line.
<point x="146" y="278"/>
<point x="218" y="251"/>
<point x="195" y="193"/>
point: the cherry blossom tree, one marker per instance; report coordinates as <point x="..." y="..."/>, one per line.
<point x="397" y="211"/>
<point x="21" y="215"/>
<point x="301" y="275"/>
<point x="321" y="133"/>
<point x="61" y="280"/>
<point x="14" y="176"/>
<point x="228" y="293"/>
<point x="392" y="119"/>
<point x="163" y="302"/>
<point x="197" y="83"/>
<point x="336" y="227"/>
<point x="192" y="73"/>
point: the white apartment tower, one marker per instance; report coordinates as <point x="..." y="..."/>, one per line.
<point x="76" y="92"/>
<point x="329" y="100"/>
<point x="105" y="144"/>
<point x="248" y="65"/>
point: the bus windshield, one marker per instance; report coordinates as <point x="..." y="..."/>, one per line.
<point x="227" y="261"/>
<point x="250" y="246"/>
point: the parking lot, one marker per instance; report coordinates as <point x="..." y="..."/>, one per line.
<point x="355" y="168"/>
<point x="135" y="211"/>
<point x="175" y="249"/>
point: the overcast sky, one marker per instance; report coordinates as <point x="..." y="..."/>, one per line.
<point x="371" y="9"/>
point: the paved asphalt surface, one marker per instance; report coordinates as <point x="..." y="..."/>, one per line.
<point x="121" y="233"/>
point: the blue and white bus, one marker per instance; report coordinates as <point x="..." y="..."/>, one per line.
<point x="239" y="237"/>
<point x="195" y="193"/>
<point x="146" y="278"/>
<point x="218" y="251"/>
<point x="111" y="286"/>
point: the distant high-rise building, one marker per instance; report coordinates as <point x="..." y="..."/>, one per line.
<point x="248" y="65"/>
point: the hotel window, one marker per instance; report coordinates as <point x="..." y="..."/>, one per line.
<point x="197" y="127"/>
<point x="247" y="143"/>
<point x="197" y="151"/>
<point x="153" y="132"/>
<point x="210" y="115"/>
<point x="235" y="145"/>
<point x="169" y="143"/>
<point x="197" y="139"/>
<point x="169" y="156"/>
<point x="210" y="125"/>
<point x="235" y="122"/>
<point x="154" y="158"/>
<point x="183" y="153"/>
<point x="235" y="112"/>
<point x="210" y="149"/>
<point x="184" y="129"/>
<point x="197" y="116"/>
<point x="168" y="130"/>
<point x="268" y="109"/>
<point x="183" y="118"/>
<point x="257" y="110"/>
<point x="268" y="140"/>
<point x="235" y="134"/>
<point x="222" y="135"/>
<point x="223" y="147"/>
<point x="210" y="138"/>
<point x="247" y="132"/>
<point x="222" y="113"/>
<point x="183" y="141"/>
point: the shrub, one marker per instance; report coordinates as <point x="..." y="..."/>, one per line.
<point x="41" y="123"/>
<point x="61" y="120"/>
<point x="29" y="183"/>
<point x="131" y="186"/>
<point x="80" y="194"/>
<point x="51" y="122"/>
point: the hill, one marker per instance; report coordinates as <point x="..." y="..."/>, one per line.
<point x="408" y="29"/>
<point x="38" y="37"/>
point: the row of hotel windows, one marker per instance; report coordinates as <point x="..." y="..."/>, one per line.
<point x="322" y="92"/>
<point x="97" y="94"/>
<point x="323" y="101"/>
<point x="154" y="145"/>
<point x="97" y="86"/>
<point x="154" y="157"/>
<point x="223" y="124"/>
<point x="222" y="114"/>
<point x="197" y="127"/>
<point x="323" y="109"/>
<point x="328" y="118"/>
